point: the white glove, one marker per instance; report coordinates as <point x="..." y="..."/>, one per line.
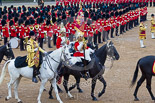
<point x="146" y="26"/>
<point x="36" y="49"/>
<point x="45" y="53"/>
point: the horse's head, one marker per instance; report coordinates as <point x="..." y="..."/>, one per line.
<point x="65" y="53"/>
<point x="8" y="51"/>
<point x="111" y="51"/>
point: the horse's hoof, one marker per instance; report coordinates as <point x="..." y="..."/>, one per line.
<point x="60" y="91"/>
<point x="95" y="99"/>
<point x="20" y="102"/>
<point x="45" y="90"/>
<point x="51" y="97"/>
<point x="80" y="91"/>
<point x="71" y="98"/>
<point x="100" y="94"/>
<point x="6" y="99"/>
<point x="136" y="99"/>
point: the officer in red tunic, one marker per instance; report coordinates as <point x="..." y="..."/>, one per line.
<point x="61" y="40"/>
<point x="5" y="31"/>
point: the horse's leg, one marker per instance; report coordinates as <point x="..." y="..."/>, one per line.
<point x="78" y="84"/>
<point x="12" y="80"/>
<point x="139" y="83"/>
<point x="92" y="89"/>
<point x="59" y="89"/>
<point x="148" y="85"/>
<point x="72" y="87"/>
<point x="54" y="84"/>
<point x="50" y="92"/>
<point x="42" y="86"/>
<point x="65" y="83"/>
<point x="104" y="83"/>
<point x="16" y="89"/>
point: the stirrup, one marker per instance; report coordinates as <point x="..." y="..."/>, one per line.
<point x="34" y="79"/>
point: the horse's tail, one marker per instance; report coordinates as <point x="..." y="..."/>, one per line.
<point x="3" y="71"/>
<point x="135" y="75"/>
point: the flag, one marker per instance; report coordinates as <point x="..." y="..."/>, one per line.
<point x="79" y="21"/>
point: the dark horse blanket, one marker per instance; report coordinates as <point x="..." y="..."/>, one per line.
<point x="21" y="61"/>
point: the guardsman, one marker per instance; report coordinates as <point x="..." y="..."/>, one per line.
<point x="113" y="24"/>
<point x="0" y="27"/>
<point x="5" y="31"/>
<point x="41" y="33"/>
<point x="142" y="33"/>
<point x="152" y="26"/>
<point x="21" y="34"/>
<point x="33" y="50"/>
<point x="117" y="20"/>
<point x="12" y="29"/>
<point x="49" y="32"/>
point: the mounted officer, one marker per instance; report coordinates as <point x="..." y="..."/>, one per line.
<point x="33" y="50"/>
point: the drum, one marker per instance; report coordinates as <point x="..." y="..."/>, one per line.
<point x="14" y="42"/>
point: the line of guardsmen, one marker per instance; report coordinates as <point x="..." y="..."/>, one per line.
<point x="100" y="19"/>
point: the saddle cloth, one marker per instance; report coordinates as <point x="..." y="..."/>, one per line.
<point x="153" y="68"/>
<point x="20" y="62"/>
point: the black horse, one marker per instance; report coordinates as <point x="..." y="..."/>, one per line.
<point x="146" y="65"/>
<point x="95" y="72"/>
<point x="6" y="50"/>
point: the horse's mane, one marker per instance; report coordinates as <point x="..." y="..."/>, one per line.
<point x="101" y="54"/>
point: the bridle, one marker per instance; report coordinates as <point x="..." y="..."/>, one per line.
<point x="47" y="60"/>
<point x="110" y="53"/>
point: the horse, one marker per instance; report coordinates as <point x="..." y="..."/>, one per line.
<point x="146" y="66"/>
<point x="48" y="72"/>
<point x="95" y="73"/>
<point x="6" y="50"/>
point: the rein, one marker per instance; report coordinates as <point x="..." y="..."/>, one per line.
<point x="48" y="62"/>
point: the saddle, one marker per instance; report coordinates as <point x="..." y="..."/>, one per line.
<point x="21" y="61"/>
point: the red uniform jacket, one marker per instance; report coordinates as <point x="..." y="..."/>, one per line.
<point x="20" y="30"/>
<point x="5" y="31"/>
<point x="13" y="31"/>
<point x="41" y="32"/>
<point x="77" y="54"/>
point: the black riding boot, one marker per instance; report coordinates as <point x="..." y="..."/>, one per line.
<point x="34" y="79"/>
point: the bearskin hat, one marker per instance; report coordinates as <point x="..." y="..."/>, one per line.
<point x="107" y="16"/>
<point x="3" y="22"/>
<point x="10" y="17"/>
<point x="31" y="33"/>
<point x="5" y="17"/>
<point x="27" y="22"/>
<point x="15" y="19"/>
<point x="38" y="20"/>
<point x="53" y="19"/>
<point x="48" y="22"/>
<point x="41" y="20"/>
<point x="11" y="23"/>
<point x="32" y="21"/>
<point x="35" y="15"/>
<point x="152" y="15"/>
<point x="112" y="14"/>
<point x="20" y="21"/>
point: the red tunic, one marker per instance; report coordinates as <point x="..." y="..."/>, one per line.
<point x="41" y="32"/>
<point x="13" y="31"/>
<point x="5" y="31"/>
<point x="21" y="32"/>
<point x="77" y="54"/>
